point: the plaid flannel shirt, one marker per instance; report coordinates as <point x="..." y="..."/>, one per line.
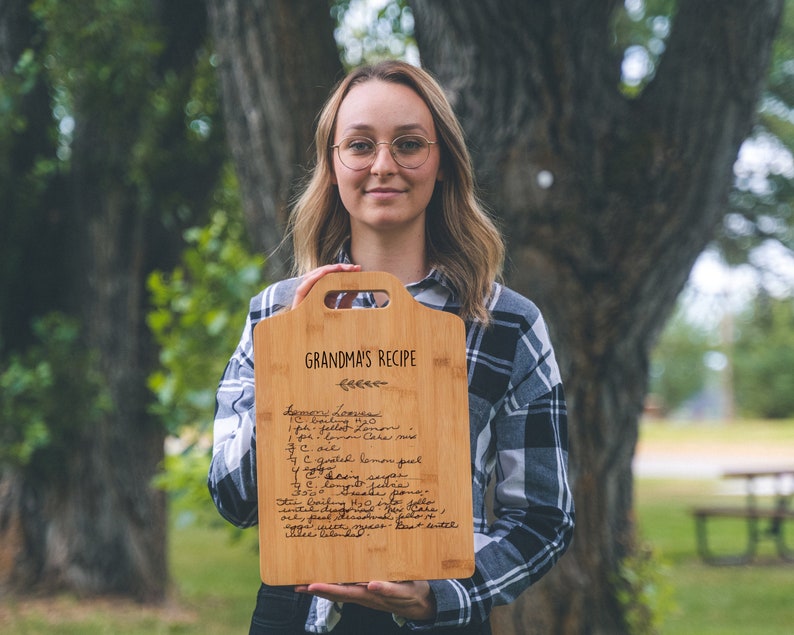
<point x="518" y="424"/>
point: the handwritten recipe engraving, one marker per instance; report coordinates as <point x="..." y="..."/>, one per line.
<point x="335" y="493"/>
<point x="363" y="449"/>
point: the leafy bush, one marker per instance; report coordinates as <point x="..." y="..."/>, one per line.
<point x="644" y="590"/>
<point x="677" y="368"/>
<point x="48" y="394"/>
<point x="198" y="310"/>
<point x="763" y="360"/>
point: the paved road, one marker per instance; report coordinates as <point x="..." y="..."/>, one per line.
<point x="696" y="462"/>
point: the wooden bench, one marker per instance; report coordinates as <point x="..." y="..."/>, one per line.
<point x="754" y="516"/>
<point x="776" y="515"/>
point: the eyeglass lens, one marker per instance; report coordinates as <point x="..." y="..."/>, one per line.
<point x="409" y="151"/>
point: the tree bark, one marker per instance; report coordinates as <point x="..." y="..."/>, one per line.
<point x="278" y="61"/>
<point x="91" y="522"/>
<point x="41" y="214"/>
<point x="638" y="187"/>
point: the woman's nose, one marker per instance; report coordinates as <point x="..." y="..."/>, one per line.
<point x="384" y="162"/>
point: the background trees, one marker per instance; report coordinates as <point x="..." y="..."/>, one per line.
<point x="762" y="357"/>
<point x="107" y="154"/>
<point x="277" y="62"/>
<point x="608" y="180"/>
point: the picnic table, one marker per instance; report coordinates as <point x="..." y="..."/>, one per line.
<point x="763" y="521"/>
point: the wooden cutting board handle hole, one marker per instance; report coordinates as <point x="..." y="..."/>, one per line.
<point x="333" y="299"/>
<point x="329" y="290"/>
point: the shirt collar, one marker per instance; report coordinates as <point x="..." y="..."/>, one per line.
<point x="434" y="277"/>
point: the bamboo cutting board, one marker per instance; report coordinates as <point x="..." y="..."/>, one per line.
<point x="362" y="430"/>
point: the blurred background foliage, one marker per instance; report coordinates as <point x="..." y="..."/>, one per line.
<point x="198" y="312"/>
<point x="198" y="306"/>
<point x="149" y="79"/>
<point x="55" y="379"/>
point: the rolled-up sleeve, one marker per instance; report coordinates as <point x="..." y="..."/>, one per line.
<point x="519" y="440"/>
<point x="232" y="473"/>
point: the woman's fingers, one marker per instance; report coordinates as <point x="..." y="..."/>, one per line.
<point x="311" y="278"/>
<point x="412" y="599"/>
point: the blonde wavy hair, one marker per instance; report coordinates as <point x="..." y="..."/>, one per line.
<point x="462" y="240"/>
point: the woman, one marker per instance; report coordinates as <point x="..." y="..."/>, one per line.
<point x="392" y="190"/>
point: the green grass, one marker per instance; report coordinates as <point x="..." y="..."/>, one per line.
<point x="754" y="599"/>
<point x="712" y="434"/>
<point x="215" y="580"/>
<point x="217" y="576"/>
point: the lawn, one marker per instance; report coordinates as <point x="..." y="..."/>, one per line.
<point x="756" y="599"/>
<point x="751" y="599"/>
<point x="215" y="579"/>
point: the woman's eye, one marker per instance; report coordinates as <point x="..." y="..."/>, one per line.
<point x="360" y="146"/>
<point x="410" y="144"/>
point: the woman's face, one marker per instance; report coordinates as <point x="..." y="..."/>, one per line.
<point x="385" y="197"/>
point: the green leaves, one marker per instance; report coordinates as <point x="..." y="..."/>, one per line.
<point x="197" y="312"/>
<point x="48" y="395"/>
<point x="757" y="352"/>
<point x="763" y="358"/>
<point x="24" y="430"/>
<point x="645" y="590"/>
<point x="677" y="368"/>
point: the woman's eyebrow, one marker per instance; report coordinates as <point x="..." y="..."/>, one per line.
<point x="411" y="126"/>
<point x="402" y="128"/>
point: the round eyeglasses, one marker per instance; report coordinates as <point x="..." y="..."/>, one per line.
<point x="408" y="151"/>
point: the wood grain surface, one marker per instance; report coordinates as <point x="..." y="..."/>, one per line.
<point x="362" y="426"/>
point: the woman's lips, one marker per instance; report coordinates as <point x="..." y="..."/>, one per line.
<point x="383" y="192"/>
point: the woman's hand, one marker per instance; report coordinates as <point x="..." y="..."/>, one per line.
<point x="412" y="600"/>
<point x="309" y="280"/>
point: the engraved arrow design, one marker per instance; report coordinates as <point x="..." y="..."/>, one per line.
<point x="351" y="384"/>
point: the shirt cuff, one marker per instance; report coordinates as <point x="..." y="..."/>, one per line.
<point x="453" y="606"/>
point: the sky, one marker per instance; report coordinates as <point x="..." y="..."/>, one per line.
<point x="714" y="287"/>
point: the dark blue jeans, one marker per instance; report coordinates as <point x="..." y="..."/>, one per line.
<point x="281" y="611"/>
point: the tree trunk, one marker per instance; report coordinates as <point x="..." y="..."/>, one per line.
<point x="278" y="61"/>
<point x="39" y="289"/>
<point x="91" y="521"/>
<point x="607" y="202"/>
